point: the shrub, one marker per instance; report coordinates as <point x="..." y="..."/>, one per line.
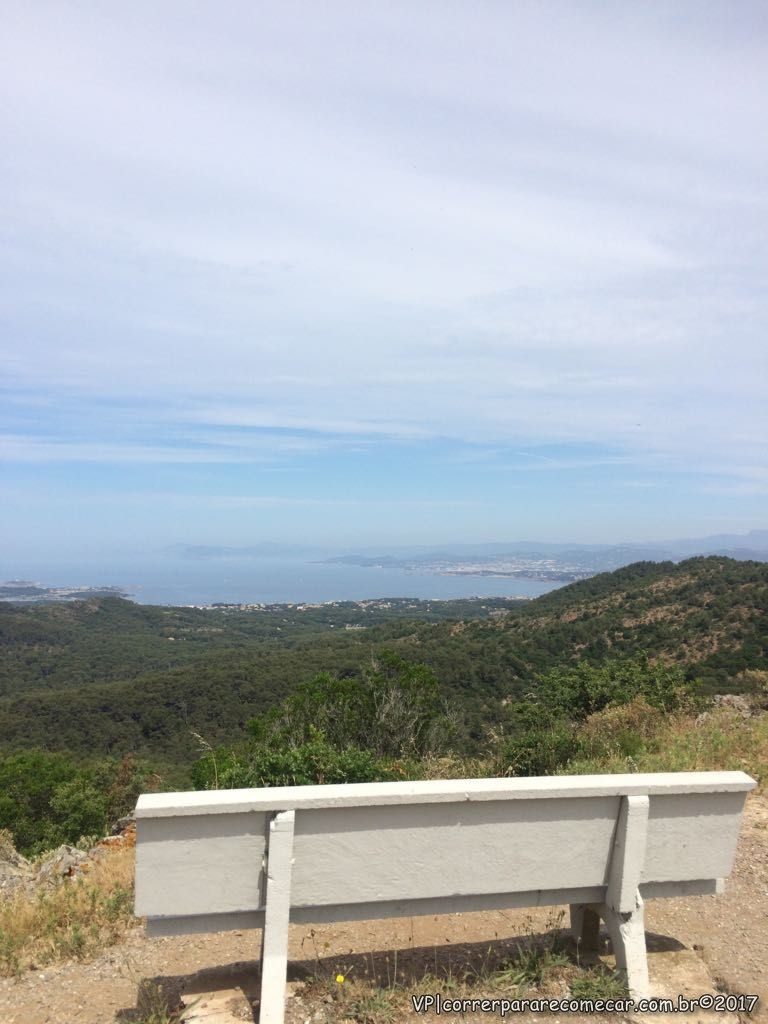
<point x="621" y="731"/>
<point x="575" y="693"/>
<point x="314" y="762"/>
<point x="538" y="750"/>
<point x="546" y="728"/>
<point x="373" y="728"/>
<point x="394" y="709"/>
<point x="49" y="799"/>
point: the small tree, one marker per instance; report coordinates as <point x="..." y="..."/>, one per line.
<point x="409" y="717"/>
<point x="394" y="709"/>
<point x="339" y="730"/>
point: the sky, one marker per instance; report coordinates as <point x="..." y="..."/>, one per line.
<point x="359" y="273"/>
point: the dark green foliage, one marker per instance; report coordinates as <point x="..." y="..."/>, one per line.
<point x="65" y="646"/>
<point x="540" y="744"/>
<point x="48" y="799"/>
<point x="102" y="677"/>
<point x="544" y="726"/>
<point x="393" y="709"/>
<point x="314" y="762"/>
<point x="41" y="800"/>
<point x="355" y="729"/>
<point x="575" y="693"/>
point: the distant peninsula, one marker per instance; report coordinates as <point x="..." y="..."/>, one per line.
<point x="503" y="567"/>
<point x="28" y="592"/>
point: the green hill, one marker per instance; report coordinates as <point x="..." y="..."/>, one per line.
<point x="106" y="676"/>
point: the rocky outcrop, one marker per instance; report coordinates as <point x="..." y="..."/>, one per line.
<point x="15" y="870"/>
<point x="734" y="702"/>
<point x="66" y="862"/>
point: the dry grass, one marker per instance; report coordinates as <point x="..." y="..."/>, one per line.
<point x="381" y="993"/>
<point x="77" y="919"/>
<point x="380" y="988"/>
<point x="722" y="740"/>
<point x="72" y="920"/>
<point x="452" y="766"/>
<point x="636" y="737"/>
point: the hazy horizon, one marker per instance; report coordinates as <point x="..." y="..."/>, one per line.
<point x="754" y="541"/>
<point x="349" y="275"/>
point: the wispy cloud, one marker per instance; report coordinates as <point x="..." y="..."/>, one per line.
<point x="249" y="237"/>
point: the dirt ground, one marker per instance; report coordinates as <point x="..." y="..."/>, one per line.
<point x="718" y="942"/>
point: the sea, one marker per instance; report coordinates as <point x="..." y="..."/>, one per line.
<point x="173" y="580"/>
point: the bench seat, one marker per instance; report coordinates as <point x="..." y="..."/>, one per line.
<point x="209" y="861"/>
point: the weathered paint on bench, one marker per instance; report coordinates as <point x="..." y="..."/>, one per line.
<point x="601" y="843"/>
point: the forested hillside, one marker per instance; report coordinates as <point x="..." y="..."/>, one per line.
<point x="104" y="676"/>
<point x="109" y="677"/>
<point x="707" y="614"/>
<point x="56" y="646"/>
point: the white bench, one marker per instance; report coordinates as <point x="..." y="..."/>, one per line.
<point x="211" y="861"/>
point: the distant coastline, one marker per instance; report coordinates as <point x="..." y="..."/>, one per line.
<point x="272" y="574"/>
<point x="544" y="570"/>
<point x="179" y="582"/>
<point x="29" y="592"/>
<point x="543" y="575"/>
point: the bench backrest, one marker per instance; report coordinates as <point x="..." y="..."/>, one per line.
<point x="383" y="849"/>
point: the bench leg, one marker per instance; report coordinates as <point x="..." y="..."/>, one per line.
<point x="274" y="949"/>
<point x="585" y="927"/>
<point x="627" y="932"/>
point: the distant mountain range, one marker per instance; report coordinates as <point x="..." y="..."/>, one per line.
<point x="266" y="549"/>
<point x="752" y="545"/>
<point x="541" y="558"/>
<point x="543" y="561"/>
